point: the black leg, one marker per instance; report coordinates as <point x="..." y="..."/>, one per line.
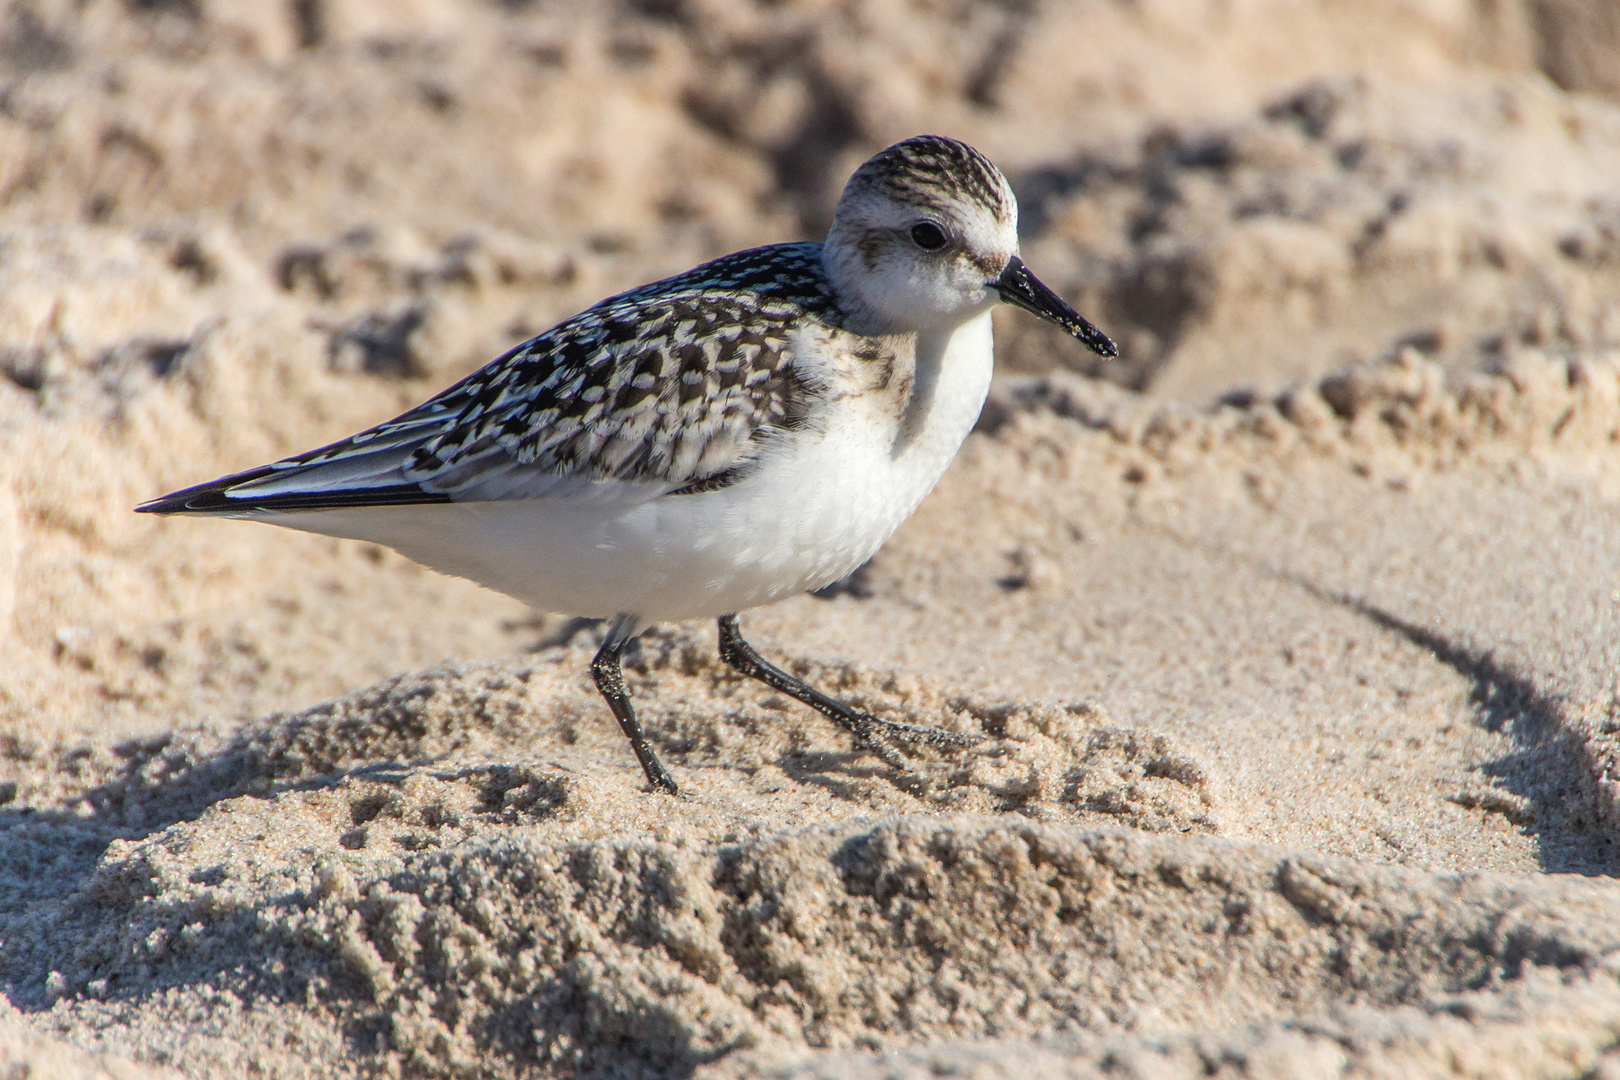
<point x="870" y="732"/>
<point x="610" y="681"/>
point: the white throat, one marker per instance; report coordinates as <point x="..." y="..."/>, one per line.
<point x="885" y="296"/>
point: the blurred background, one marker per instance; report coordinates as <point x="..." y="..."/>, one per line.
<point x="1244" y="192"/>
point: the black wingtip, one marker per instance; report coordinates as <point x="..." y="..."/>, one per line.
<point x="209" y="498"/>
<point x="212" y="497"/>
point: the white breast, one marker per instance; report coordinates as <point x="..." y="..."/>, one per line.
<point x="820" y="504"/>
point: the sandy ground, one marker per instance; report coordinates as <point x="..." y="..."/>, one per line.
<point x="1292" y="637"/>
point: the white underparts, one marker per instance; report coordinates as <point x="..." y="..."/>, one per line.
<point x="821" y="500"/>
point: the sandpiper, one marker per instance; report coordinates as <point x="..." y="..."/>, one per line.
<point x="746" y="431"/>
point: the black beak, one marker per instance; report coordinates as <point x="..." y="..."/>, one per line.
<point x="1022" y="289"/>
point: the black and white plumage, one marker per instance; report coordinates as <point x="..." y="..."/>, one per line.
<point x="742" y="432"/>
<point x="666" y="384"/>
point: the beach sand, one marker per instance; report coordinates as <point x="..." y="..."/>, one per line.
<point x="1292" y="637"/>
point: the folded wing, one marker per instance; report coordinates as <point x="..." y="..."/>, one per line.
<point x="673" y="387"/>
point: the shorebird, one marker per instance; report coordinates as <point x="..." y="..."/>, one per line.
<point x="746" y="431"/>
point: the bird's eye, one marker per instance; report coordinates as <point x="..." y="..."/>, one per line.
<point x="928" y="236"/>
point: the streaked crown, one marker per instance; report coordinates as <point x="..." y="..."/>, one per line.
<point x="933" y="172"/>
<point x="923" y="230"/>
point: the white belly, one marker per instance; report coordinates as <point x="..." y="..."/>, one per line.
<point x="821" y="502"/>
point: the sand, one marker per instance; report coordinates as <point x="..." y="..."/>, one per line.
<point x="1291" y="637"/>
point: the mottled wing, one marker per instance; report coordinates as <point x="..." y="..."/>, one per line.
<point x="672" y="387"/>
<point x="665" y="389"/>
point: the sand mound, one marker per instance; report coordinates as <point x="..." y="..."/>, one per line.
<point x="1290" y="651"/>
<point x="458" y="871"/>
<point x="1339" y="223"/>
<point x="624" y="957"/>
